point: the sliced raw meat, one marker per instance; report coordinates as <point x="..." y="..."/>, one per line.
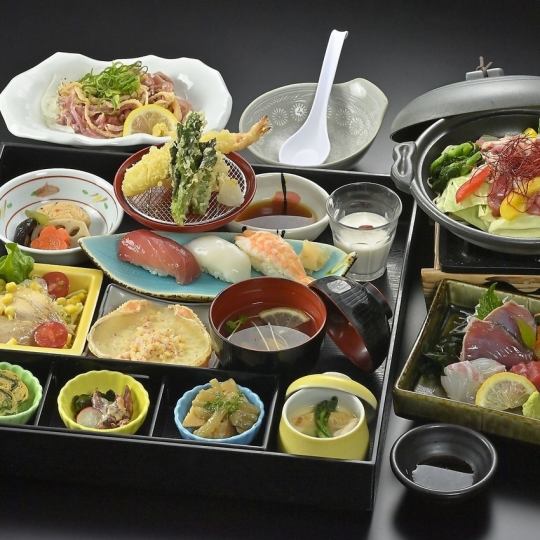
<point x="507" y="316"/>
<point x="159" y="255"/>
<point x="531" y="370"/>
<point x="487" y="339"/>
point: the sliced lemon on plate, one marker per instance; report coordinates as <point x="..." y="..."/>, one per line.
<point x="152" y="119"/>
<point x="504" y="391"/>
<point x="281" y="316"/>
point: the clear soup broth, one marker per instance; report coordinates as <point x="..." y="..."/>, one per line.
<point x="268" y="328"/>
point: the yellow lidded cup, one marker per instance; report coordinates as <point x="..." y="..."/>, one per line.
<point x="310" y="390"/>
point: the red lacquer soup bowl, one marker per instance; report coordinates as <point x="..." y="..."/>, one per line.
<point x="269" y="325"/>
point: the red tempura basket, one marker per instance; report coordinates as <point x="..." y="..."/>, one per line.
<point x="152" y="208"/>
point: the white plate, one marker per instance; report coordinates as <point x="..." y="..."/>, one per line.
<point x="21" y="100"/>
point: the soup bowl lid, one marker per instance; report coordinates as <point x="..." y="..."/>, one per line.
<point x="357" y="319"/>
<point x="333" y="381"/>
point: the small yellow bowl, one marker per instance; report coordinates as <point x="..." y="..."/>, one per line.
<point x="88" y="382"/>
<point x="307" y="392"/>
<point x="89" y="279"/>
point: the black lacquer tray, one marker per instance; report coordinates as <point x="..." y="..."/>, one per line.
<point x="156" y="458"/>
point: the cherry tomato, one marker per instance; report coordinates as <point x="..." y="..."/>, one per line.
<point x="51" y="334"/>
<point x="57" y="284"/>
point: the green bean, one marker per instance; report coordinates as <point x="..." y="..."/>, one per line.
<point x="477" y="156"/>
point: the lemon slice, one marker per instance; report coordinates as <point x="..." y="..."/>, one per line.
<point x="152" y="119"/>
<point x="282" y="316"/>
<point x="504" y="391"/>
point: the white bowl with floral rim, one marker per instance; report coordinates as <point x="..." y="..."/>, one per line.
<point x="355" y="112"/>
<point x="31" y="190"/>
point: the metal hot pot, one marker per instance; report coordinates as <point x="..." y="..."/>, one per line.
<point x="493" y="104"/>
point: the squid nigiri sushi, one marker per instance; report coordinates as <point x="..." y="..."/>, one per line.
<point x="159" y="255"/>
<point x="461" y="380"/>
<point x="272" y="256"/>
<point x="220" y="258"/>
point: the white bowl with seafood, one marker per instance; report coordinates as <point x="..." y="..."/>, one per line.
<point x="304" y="217"/>
<point x="81" y="203"/>
<point x="29" y="102"/>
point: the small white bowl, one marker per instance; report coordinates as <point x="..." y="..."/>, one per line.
<point x="33" y="189"/>
<point x="311" y="195"/>
<point x="355" y="112"/>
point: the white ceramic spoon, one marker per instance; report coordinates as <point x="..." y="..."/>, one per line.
<point x="310" y="145"/>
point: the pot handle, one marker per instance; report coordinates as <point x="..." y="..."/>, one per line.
<point x="402" y="169"/>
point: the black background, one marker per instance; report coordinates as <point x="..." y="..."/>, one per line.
<point x="406" y="48"/>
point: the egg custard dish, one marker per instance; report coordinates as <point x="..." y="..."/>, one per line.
<point x="145" y="331"/>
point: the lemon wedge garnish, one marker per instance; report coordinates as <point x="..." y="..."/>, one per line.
<point x="504" y="391"/>
<point x="152" y="119"/>
<point x="282" y="316"/>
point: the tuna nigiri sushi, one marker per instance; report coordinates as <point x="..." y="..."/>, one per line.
<point x="272" y="256"/>
<point x="159" y="255"/>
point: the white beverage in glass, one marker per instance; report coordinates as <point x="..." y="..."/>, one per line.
<point x="370" y="244"/>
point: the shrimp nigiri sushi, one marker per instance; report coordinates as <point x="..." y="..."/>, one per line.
<point x="159" y="255"/>
<point x="272" y="256"/>
<point x="220" y="258"/>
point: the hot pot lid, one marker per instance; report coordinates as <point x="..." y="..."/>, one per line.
<point x="357" y="319"/>
<point x="483" y="90"/>
<point x="333" y="381"/>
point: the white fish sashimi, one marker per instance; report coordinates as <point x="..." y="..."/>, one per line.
<point x="461" y="380"/>
<point x="220" y="258"/>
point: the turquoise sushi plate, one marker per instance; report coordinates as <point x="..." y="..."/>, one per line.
<point x="102" y="250"/>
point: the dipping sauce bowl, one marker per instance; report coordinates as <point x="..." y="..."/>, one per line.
<point x="443" y="461"/>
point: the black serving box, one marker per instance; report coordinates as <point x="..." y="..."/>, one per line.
<point x="156" y="458"/>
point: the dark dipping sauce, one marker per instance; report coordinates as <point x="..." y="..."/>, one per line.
<point x="443" y="473"/>
<point x="273" y="214"/>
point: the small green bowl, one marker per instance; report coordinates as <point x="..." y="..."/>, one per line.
<point x="35" y="393"/>
<point x="88" y="382"/>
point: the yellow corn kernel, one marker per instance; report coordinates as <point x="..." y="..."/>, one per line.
<point x="11" y="287"/>
<point x="35" y="286"/>
<point x="9" y="312"/>
<point x="61" y="301"/>
<point x="11" y="341"/>
<point x="7" y="299"/>
<point x="70" y="309"/>
<point x="531" y="133"/>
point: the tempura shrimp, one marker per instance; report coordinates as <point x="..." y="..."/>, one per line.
<point x="232" y="142"/>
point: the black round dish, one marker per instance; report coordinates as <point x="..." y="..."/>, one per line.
<point x="410" y="170"/>
<point x="444" y="442"/>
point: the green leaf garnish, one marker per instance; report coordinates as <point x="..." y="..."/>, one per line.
<point x="487" y="303"/>
<point x="233" y="325"/>
<point x="113" y="82"/>
<point x="220" y="402"/>
<point x="15" y="266"/>
<point x="322" y="414"/>
<point x="527" y="334"/>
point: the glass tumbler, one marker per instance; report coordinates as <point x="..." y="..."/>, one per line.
<point x="363" y="218"/>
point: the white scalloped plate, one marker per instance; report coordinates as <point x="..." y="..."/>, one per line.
<point x="21" y="100"/>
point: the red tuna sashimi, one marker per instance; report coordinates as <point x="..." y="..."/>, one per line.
<point x="159" y="255"/>
<point x="486" y="339"/>
<point x="508" y="314"/>
<point x="531" y="370"/>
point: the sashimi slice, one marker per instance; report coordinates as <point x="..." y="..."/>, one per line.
<point x="461" y="380"/>
<point x="507" y="316"/>
<point x="487" y="339"/>
<point x="159" y="255"/>
<point x="531" y="370"/>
